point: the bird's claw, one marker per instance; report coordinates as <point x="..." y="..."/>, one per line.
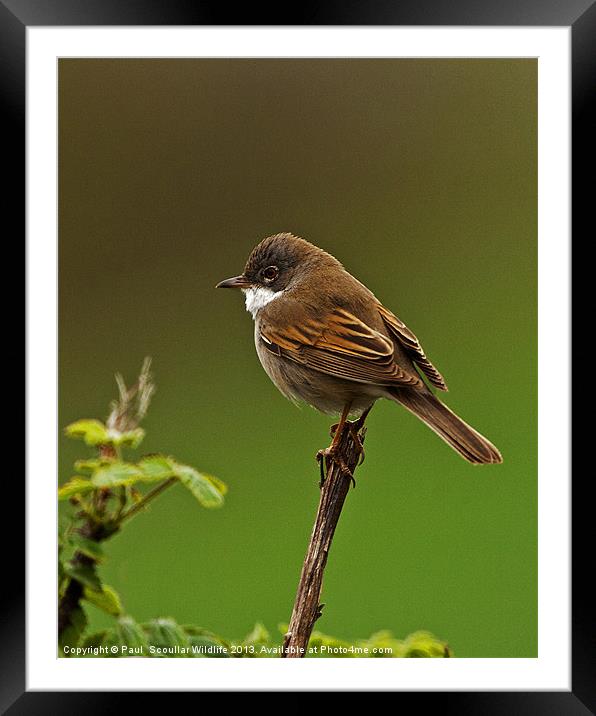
<point x="326" y="457"/>
<point x="321" y="460"/>
<point x="357" y="431"/>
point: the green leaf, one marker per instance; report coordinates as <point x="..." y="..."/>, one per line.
<point x="126" y="635"/>
<point x="85" y="574"/>
<point x="93" y="432"/>
<point x="93" y="641"/>
<point x="206" y="643"/>
<point x="219" y="485"/>
<point x="87" y="546"/>
<point x="130" y="632"/>
<point x="423" y="644"/>
<point x="75" y="486"/>
<point x="88" y="467"/>
<point x="201" y="486"/>
<point x="322" y="643"/>
<point x="107" y="599"/>
<point x="129" y="438"/>
<point x="156" y="467"/>
<point x="116" y="474"/>
<point x="71" y="636"/>
<point x="95" y="638"/>
<point x="63" y="579"/>
<point x="258" y="635"/>
<point x="383" y="644"/>
<point x="167" y="634"/>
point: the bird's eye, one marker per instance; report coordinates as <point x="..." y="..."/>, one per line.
<point x="270" y="273"/>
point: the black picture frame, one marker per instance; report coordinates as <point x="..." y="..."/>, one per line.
<point x="580" y="15"/>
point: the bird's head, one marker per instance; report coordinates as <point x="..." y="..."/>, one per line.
<point x="278" y="263"/>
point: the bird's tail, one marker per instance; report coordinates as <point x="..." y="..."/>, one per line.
<point x="455" y="432"/>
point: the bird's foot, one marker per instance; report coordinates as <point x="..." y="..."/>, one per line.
<point x="330" y="455"/>
<point x="357" y="431"/>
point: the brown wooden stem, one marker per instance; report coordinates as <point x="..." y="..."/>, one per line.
<point x="307" y="607"/>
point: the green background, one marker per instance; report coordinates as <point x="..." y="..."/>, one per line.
<point x="420" y="176"/>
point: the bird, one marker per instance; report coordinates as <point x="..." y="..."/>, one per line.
<point x="324" y="339"/>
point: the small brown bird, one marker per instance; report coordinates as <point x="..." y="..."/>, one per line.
<point x="325" y="339"/>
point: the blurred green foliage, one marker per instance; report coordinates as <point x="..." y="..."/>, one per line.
<point x="164" y="638"/>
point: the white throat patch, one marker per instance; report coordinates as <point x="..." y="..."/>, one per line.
<point x="259" y="297"/>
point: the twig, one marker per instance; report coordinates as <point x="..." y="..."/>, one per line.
<point x="147" y="498"/>
<point x="307" y="607"/>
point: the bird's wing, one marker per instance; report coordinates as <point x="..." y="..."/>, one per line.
<point x="340" y="345"/>
<point x="409" y="341"/>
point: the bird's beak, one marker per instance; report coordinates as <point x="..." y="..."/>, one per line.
<point x="235" y="282"/>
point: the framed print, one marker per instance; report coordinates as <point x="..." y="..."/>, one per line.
<point x="385" y="189"/>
